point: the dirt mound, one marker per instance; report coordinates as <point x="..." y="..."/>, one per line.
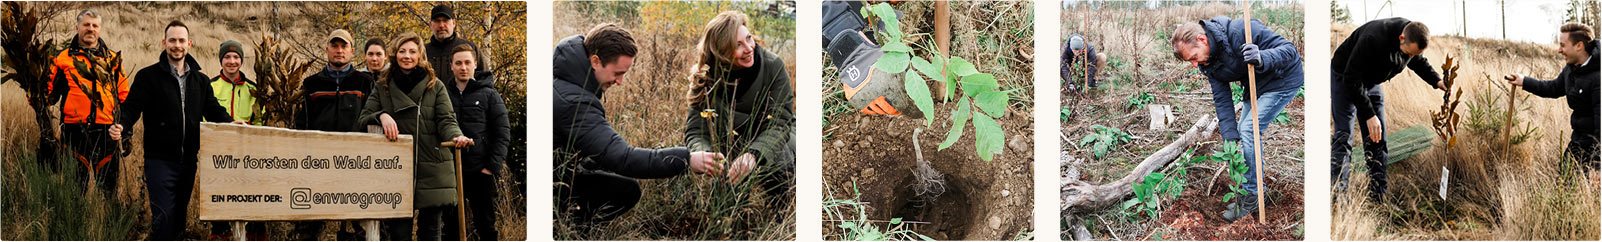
<point x="983" y="200"/>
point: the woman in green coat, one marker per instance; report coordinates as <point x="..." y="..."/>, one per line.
<point x="741" y="106"/>
<point x="410" y="100"/>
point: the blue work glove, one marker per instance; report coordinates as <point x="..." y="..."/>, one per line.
<point x="1250" y="54"/>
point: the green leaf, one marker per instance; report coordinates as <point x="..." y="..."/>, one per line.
<point x="993" y="103"/>
<point x="930" y="70"/>
<point x="893" y="62"/>
<point x="974" y="84"/>
<point x="1228" y="196"/>
<point x="1087" y="139"/>
<point x="892" y="26"/>
<point x="961" y="67"/>
<point x="919" y="92"/>
<point x="896" y="47"/>
<point x="959" y="122"/>
<point x="989" y="139"/>
<point x="1128" y="204"/>
<point x="895" y="221"/>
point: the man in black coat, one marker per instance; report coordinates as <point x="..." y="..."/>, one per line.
<point x="1371" y="55"/>
<point x="1578" y="82"/>
<point x="442" y="22"/>
<point x="482" y="116"/>
<point x="596" y="169"/>
<point x="333" y="97"/>
<point x="177" y="96"/>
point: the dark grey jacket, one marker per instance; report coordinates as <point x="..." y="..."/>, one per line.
<point x="583" y="136"/>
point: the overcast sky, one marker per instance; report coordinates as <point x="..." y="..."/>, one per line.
<point x="1527" y="20"/>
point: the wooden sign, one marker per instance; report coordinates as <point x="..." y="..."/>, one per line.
<point x="255" y="173"/>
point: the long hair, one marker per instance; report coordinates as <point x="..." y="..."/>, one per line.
<point x="422" y="61"/>
<point x="715" y="61"/>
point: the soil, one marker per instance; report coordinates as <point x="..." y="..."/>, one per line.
<point x="983" y="200"/>
<point x="1198" y="213"/>
<point x="1140" y="63"/>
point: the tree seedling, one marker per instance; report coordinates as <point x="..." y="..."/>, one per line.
<point x="981" y="100"/>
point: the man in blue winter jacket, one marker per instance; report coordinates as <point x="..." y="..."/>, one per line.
<point x="1218" y="47"/>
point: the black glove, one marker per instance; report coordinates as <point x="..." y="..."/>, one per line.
<point x="1249" y="53"/>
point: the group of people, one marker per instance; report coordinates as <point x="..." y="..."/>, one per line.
<point x="1373" y="54"/>
<point x="740" y="107"/>
<point x="436" y="91"/>
<point x="1378" y="50"/>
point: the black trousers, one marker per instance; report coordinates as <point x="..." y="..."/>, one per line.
<point x="1344" y="113"/>
<point x="594" y="197"/>
<point x="481" y="193"/>
<point x="168" y="182"/>
<point x="1583" y="150"/>
<point x="429" y="224"/>
<point x="94" y="151"/>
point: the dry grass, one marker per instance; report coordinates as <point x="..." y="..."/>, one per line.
<point x="1498" y="191"/>
<point x="648" y="109"/>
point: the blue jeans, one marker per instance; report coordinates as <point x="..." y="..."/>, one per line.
<point x="1269" y="105"/>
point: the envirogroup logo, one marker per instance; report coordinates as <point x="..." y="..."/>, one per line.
<point x="304" y="198"/>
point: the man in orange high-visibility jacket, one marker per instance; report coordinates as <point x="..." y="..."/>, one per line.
<point x="89" y="75"/>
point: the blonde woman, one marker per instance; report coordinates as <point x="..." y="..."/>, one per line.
<point x="740" y="106"/>
<point x="409" y="99"/>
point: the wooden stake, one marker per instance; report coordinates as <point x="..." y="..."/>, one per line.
<point x="1257" y="130"/>
<point x="1507" y="129"/>
<point x="461" y="198"/>
<point x="942" y="38"/>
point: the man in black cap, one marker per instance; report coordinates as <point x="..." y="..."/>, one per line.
<point x="443" y="24"/>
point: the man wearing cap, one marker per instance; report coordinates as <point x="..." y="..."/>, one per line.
<point x="233" y="91"/>
<point x="232" y="88"/>
<point x="443" y="24"/>
<point x="334" y="96"/>
<point x="1078" y="48"/>
<point x="331" y="100"/>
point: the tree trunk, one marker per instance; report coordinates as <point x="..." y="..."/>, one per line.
<point x="1078" y="196"/>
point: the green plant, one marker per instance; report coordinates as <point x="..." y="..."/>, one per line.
<point x="858" y="227"/>
<point x="1156" y="186"/>
<point x="1488" y="116"/>
<point x="1230" y="155"/>
<point x="1103" y="139"/>
<point x="1065" y="113"/>
<point x="981" y="98"/>
<point x="1139" y="101"/>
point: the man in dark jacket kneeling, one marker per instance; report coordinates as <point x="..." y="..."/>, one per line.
<point x="1578" y="82"/>
<point x="596" y="169"/>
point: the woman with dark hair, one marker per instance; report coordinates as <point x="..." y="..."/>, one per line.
<point x="409" y="100"/>
<point x="740" y="105"/>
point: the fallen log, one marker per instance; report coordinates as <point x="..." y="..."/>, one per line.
<point x="1079" y="196"/>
